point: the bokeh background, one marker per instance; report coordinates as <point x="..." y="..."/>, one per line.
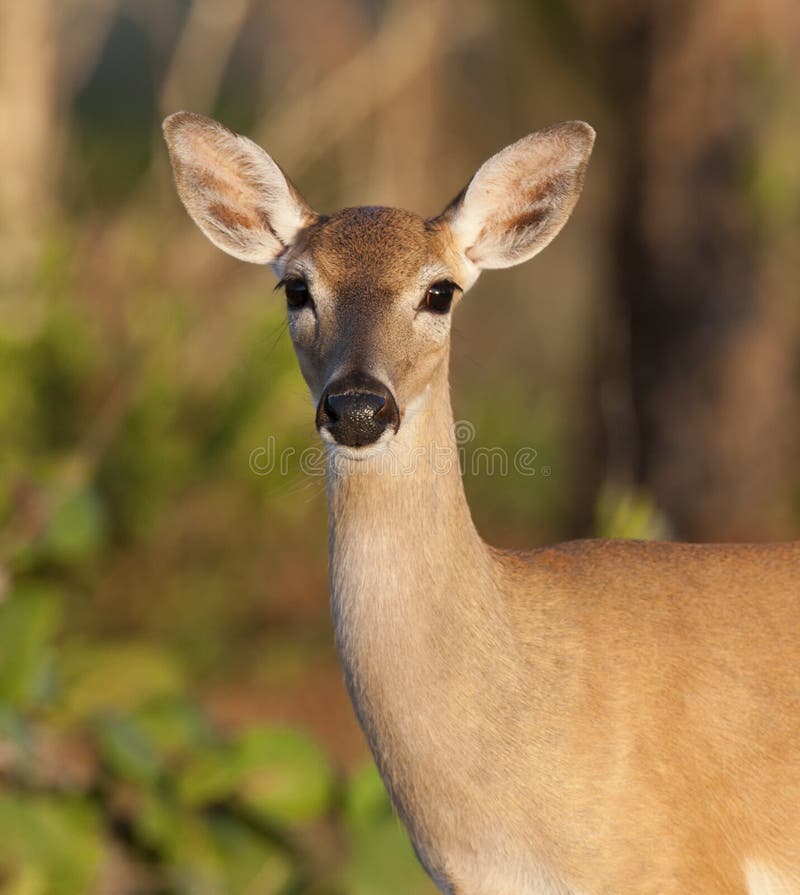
<point x="172" y="717"/>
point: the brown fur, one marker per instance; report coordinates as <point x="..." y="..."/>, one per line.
<point x="595" y="718"/>
<point x="231" y="218"/>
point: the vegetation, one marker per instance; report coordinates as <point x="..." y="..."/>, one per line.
<point x="114" y="777"/>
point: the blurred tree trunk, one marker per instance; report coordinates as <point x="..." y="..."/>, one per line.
<point x="711" y="353"/>
<point x="27" y="59"/>
<point x="711" y="348"/>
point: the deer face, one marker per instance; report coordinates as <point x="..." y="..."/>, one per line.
<point x="369" y="298"/>
<point x="370" y="291"/>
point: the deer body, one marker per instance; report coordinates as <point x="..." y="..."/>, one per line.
<point x="597" y="718"/>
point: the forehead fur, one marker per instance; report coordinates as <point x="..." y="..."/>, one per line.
<point x="384" y="245"/>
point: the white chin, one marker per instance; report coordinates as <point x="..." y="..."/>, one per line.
<point x="345" y="452"/>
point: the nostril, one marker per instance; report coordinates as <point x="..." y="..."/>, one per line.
<point x="330" y="407"/>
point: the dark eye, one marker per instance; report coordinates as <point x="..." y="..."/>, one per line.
<point x="297" y="294"/>
<point x="439" y="297"/>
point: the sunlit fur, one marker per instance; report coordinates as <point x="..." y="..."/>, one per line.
<point x="763" y="879"/>
<point x="595" y="718"/>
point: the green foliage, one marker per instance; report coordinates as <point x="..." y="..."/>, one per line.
<point x="279" y="776"/>
<point x="118" y="677"/>
<point x="75" y="530"/>
<point x="382" y="861"/>
<point x="519" y="479"/>
<point x="625" y="513"/>
<point x="176" y="804"/>
<point x="50" y="845"/>
<point x="27" y="623"/>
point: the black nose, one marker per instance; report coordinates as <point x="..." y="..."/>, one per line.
<point x="357" y="410"/>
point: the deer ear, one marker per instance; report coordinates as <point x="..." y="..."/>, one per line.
<point x="233" y="190"/>
<point x="519" y="199"/>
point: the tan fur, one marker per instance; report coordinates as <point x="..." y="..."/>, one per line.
<point x="595" y="718"/>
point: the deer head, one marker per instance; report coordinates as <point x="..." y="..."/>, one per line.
<point x="370" y="291"/>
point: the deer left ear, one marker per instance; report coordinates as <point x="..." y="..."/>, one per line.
<point x="233" y="190"/>
<point x="520" y="198"/>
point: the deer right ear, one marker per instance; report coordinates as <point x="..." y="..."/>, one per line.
<point x="519" y="200"/>
<point x="233" y="190"/>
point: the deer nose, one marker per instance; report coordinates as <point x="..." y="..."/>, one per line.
<point x="357" y="410"/>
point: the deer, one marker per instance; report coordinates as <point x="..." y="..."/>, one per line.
<point x="597" y="717"/>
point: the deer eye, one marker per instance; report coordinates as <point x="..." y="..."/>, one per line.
<point x="297" y="294"/>
<point x="439" y="297"/>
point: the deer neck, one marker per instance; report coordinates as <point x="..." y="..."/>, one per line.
<point x="401" y="533"/>
<point x="413" y="589"/>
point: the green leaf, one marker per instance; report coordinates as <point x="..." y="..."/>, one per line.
<point x="367" y="801"/>
<point x="626" y="513"/>
<point x="28" y="619"/>
<point x="195" y="867"/>
<point x="76" y="529"/>
<point x="285" y="777"/>
<point x="158" y="820"/>
<point x="382" y="861"/>
<point x="26" y="879"/>
<point x="277" y="774"/>
<point x="116" y="678"/>
<point x="218" y="854"/>
<point x="211" y="774"/>
<point x="176" y="727"/>
<point x="127" y="748"/>
<point x="252" y="865"/>
<point x="49" y="845"/>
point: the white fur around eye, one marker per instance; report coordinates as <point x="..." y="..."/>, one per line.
<point x="435" y="326"/>
<point x="304" y="321"/>
<point x="303" y="324"/>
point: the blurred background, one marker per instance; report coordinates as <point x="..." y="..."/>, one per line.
<point x="172" y="717"/>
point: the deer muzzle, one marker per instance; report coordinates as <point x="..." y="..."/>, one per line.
<point x="356" y="410"/>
